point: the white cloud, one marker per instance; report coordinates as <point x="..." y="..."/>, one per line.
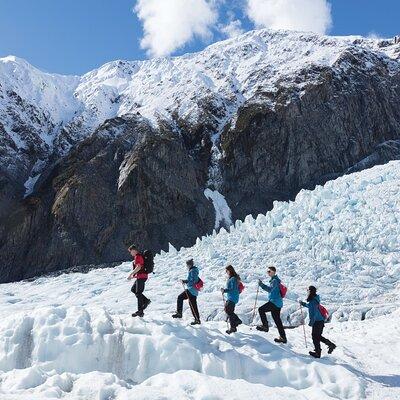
<point x="300" y="15"/>
<point x="375" y="36"/>
<point x="170" y="24"/>
<point x="232" y="29"/>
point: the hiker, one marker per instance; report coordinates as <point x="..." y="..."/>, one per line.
<point x="232" y="291"/>
<point x="190" y="293"/>
<point x="317" y="322"/>
<point x="274" y="305"/>
<point x="139" y="272"/>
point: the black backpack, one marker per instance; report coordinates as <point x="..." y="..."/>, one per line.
<point x="148" y="262"/>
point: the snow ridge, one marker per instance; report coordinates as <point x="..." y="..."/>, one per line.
<point x="224" y="75"/>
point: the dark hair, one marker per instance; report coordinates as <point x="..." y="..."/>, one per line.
<point x="190" y="262"/>
<point x="313" y="293"/>
<point x="232" y="272"/>
<point x="133" y="247"/>
<point x="272" y="269"/>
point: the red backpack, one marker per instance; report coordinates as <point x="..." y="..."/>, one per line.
<point x="324" y="312"/>
<point x="199" y="285"/>
<point x="283" y="290"/>
<point x="240" y="286"/>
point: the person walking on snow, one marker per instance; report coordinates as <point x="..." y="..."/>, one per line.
<point x="141" y="276"/>
<point x="190" y="293"/>
<point x="316" y="322"/>
<point x="274" y="305"/>
<point x="232" y="291"/>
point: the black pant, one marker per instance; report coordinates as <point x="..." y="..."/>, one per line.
<point x="276" y="315"/>
<point x="317" y="337"/>
<point x="138" y="289"/>
<point x="192" y="303"/>
<point x="234" y="320"/>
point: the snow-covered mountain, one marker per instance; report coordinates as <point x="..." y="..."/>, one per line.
<point x="225" y="75"/>
<point x="72" y="336"/>
<point x="253" y="119"/>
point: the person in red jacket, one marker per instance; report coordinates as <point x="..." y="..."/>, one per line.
<point x="141" y="276"/>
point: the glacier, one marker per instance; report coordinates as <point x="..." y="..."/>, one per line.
<point x="71" y="336"/>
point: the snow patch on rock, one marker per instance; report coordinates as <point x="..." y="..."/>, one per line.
<point x="223" y="214"/>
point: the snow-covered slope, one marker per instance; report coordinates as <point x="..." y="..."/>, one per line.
<point x="224" y="75"/>
<point x="50" y="92"/>
<point x="72" y="336"/>
<point x="33" y="104"/>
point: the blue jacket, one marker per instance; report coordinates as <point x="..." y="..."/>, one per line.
<point x="313" y="310"/>
<point x="232" y="290"/>
<point x="192" y="279"/>
<point x="274" y="291"/>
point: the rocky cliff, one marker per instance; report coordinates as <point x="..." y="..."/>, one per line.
<point x="124" y="153"/>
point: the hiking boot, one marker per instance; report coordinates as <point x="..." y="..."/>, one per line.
<point x="280" y="340"/>
<point x="314" y="354"/>
<point x="138" y="314"/>
<point x="262" y="328"/>
<point x="240" y="322"/>
<point x="146" y="304"/>
<point x="195" y="322"/>
<point x="331" y="347"/>
<point x="232" y="330"/>
<point x="177" y="315"/>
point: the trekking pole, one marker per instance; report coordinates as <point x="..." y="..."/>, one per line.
<point x="255" y="305"/>
<point x="190" y="303"/>
<point x="304" y="329"/>
<point x="223" y="302"/>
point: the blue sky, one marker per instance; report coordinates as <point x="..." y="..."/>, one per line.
<point x="75" y="36"/>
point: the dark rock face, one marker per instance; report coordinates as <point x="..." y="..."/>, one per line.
<point x="310" y="138"/>
<point x="383" y="153"/>
<point x="85" y="210"/>
<point x="12" y="174"/>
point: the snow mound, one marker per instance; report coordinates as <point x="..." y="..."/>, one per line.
<point x="58" y="341"/>
<point x="360" y="368"/>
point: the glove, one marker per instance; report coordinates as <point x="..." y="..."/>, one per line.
<point x="222" y="290"/>
<point x="259" y="282"/>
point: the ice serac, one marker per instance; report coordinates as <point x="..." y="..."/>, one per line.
<point x="125" y="152"/>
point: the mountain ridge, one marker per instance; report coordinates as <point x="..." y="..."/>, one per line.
<point x="115" y="74"/>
